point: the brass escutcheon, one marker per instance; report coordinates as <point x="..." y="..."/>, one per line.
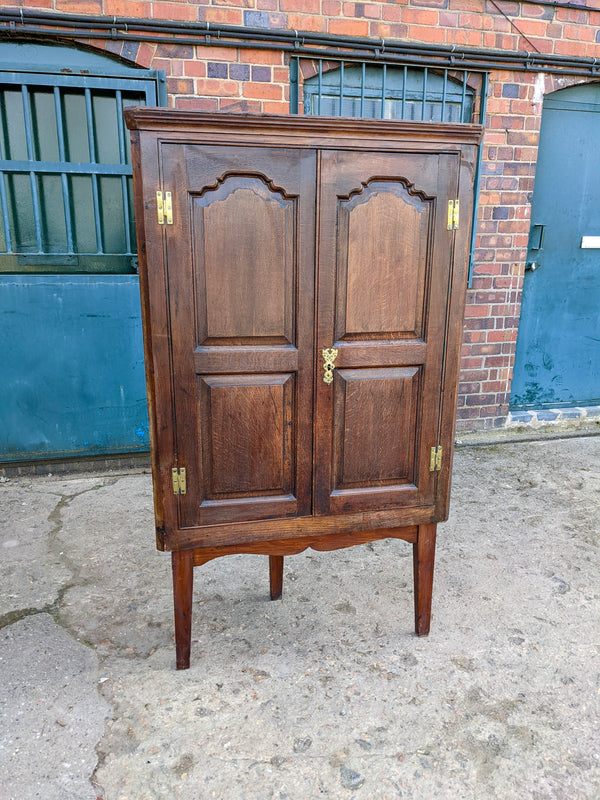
<point x="329" y="356"/>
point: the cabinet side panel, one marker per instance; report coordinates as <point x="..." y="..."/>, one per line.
<point x="456" y="312"/>
<point x="155" y="324"/>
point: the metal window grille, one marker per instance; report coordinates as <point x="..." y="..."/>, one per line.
<point x="65" y="172"/>
<point x="337" y="87"/>
<point x="388" y="92"/>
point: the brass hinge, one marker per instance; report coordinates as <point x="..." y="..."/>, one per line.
<point x="178" y="476"/>
<point x="453" y="215"/>
<point x="435" y="459"/>
<point x="164" y="208"/>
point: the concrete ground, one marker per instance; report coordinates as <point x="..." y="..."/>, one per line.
<point x="327" y="693"/>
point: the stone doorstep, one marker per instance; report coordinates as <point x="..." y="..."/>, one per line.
<point x="82" y="466"/>
<point x="567" y="418"/>
<point x="536" y="424"/>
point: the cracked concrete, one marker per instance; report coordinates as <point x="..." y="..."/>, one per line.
<point x="51" y="711"/>
<point x="328" y="693"/>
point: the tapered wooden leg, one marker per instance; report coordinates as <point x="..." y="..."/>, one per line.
<point x="276" y="576"/>
<point x="182" y="562"/>
<point x="423" y="559"/>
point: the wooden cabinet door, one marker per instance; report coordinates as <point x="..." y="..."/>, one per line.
<point x="384" y="274"/>
<point x="240" y="274"/>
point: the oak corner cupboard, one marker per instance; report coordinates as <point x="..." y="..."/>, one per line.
<point x="303" y="283"/>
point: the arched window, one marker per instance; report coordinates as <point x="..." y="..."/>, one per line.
<point x="65" y="173"/>
<point x="389" y="92"/>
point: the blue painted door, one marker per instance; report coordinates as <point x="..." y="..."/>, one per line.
<point x="71" y="352"/>
<point x="558" y="350"/>
<point x="72" y="362"/>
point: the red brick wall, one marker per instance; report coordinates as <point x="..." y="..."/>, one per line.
<point x="222" y="78"/>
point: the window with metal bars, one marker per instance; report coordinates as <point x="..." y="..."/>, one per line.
<point x="388" y="92"/>
<point x="65" y="169"/>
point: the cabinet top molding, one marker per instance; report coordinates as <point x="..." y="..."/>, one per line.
<point x="288" y="126"/>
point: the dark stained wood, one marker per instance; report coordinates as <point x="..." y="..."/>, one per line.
<point x="371" y="446"/>
<point x="453" y="339"/>
<point x="288" y="130"/>
<point x="321" y="543"/>
<point x="238" y="359"/>
<point x="385" y="267"/>
<point x="246" y="426"/>
<point x="155" y="324"/>
<point x="272" y="531"/>
<point x="238" y="265"/>
<point x="276" y="576"/>
<point x="396" y="353"/>
<point x="291" y="235"/>
<point x="246" y="279"/>
<point x="423" y="559"/>
<point x="182" y="563"/>
<point x="381" y="275"/>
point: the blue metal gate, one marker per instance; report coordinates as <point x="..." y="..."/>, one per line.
<point x="70" y="326"/>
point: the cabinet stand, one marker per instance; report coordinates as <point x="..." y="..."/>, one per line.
<point x="184" y="561"/>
